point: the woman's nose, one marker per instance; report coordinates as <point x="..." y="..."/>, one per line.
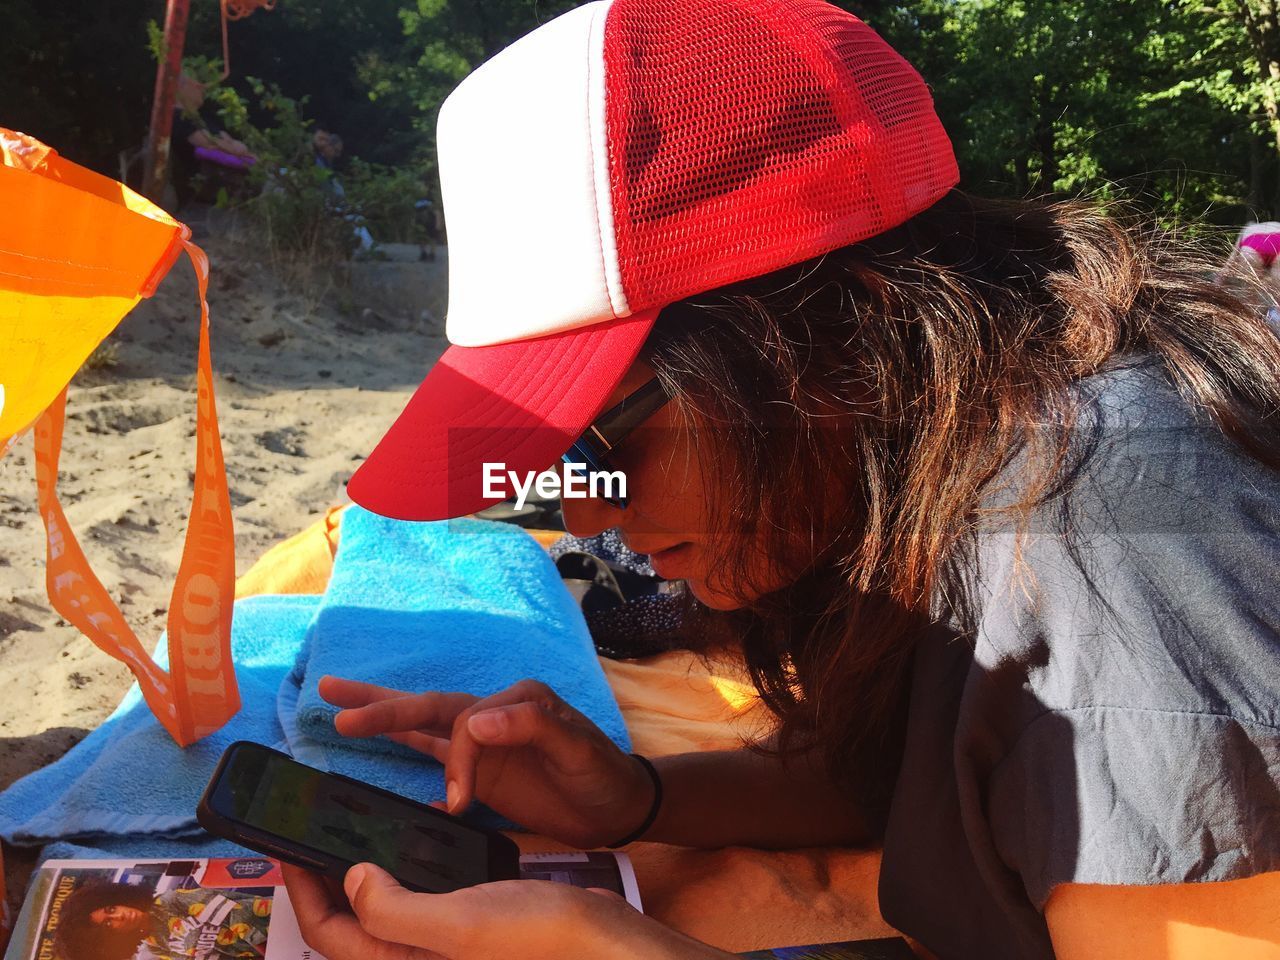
<point x="588" y="516"/>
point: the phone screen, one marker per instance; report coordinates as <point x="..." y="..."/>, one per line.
<point x="306" y="806"/>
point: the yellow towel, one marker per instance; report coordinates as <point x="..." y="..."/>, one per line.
<point x="736" y="899"/>
<point x="301" y="564"/>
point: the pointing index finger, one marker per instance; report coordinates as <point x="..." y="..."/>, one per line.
<point x="432" y="713"/>
<point x="342" y="692"/>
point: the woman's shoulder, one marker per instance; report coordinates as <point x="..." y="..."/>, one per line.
<point x="1147" y="463"/>
<point x="1151" y="578"/>
<point x="1139" y="458"/>
<point x="1117" y="709"/>
<point x="1131" y="417"/>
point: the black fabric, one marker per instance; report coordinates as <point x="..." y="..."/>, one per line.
<point x="647" y="616"/>
<point x="643" y="627"/>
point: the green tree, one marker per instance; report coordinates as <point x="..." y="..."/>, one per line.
<point x="316" y="49"/>
<point x="77" y="75"/>
<point x="1230" y="57"/>
<point x="1062" y="97"/>
<point x="443" y="41"/>
<point x="1174" y="102"/>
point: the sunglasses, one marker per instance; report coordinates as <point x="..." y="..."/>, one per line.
<point x="590" y="452"/>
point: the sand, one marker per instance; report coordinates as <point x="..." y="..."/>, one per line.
<point x="308" y="377"/>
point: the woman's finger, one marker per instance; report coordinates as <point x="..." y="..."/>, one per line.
<point x="352" y="695"/>
<point x="342" y="692"/>
<point x="529" y="707"/>
<point x="326" y="925"/>
<point x="527" y="724"/>
<point x="433" y="713"/>
<point x="387" y="911"/>
<point x="435" y="747"/>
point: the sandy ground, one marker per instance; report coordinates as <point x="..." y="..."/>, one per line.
<point x="308" y="377"/>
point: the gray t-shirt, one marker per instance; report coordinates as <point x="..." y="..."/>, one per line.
<point x="1116" y="719"/>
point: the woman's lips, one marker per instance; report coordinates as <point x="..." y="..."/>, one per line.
<point x="666" y="562"/>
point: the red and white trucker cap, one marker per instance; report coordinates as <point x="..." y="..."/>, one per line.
<point x="621" y="157"/>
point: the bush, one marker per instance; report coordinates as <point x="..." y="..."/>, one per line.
<point x="295" y="200"/>
<point x="302" y="208"/>
<point x="388" y="199"/>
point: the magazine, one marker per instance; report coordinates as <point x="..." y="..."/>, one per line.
<point x="210" y="909"/>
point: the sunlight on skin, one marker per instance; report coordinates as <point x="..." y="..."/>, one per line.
<point x="1237" y="919"/>
<point x="738" y="694"/>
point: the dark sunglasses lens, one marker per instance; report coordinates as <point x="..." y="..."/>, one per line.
<point x="581" y="459"/>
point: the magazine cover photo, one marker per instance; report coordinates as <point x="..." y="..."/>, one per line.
<point x="214" y="909"/>
<point x="157" y="910"/>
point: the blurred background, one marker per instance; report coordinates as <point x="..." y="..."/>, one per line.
<point x="1169" y="102"/>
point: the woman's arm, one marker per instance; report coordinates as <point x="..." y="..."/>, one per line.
<point x="201" y="138"/>
<point x="742" y="798"/>
<point x="535" y="759"/>
<point x="1239" y="919"/>
<point x="530" y="919"/>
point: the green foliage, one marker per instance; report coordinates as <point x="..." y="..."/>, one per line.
<point x="1154" y="100"/>
<point x="386" y="199"/>
<point x="315" y="49"/>
<point x="293" y="197"/>
<point x="155" y="41"/>
<point x="77" y="75"/>
<point x="1171" y="102"/>
<point x="206" y="71"/>
<point x="283" y="145"/>
<point x="305" y="210"/>
<point x="441" y="42"/>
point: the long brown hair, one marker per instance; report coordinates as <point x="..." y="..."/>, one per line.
<point x="858" y="407"/>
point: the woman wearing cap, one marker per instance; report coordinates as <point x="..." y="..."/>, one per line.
<point x="987" y="493"/>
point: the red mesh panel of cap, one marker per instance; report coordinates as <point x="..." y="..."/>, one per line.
<point x="748" y="135"/>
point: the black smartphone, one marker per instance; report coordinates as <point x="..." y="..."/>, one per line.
<point x="271" y="803"/>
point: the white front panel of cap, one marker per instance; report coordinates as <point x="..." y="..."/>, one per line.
<point x="520" y="162"/>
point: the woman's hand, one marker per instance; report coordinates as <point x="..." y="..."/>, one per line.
<point x="524" y="752"/>
<point x="531" y="919"/>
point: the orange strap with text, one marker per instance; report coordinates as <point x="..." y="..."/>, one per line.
<point x="198" y="694"/>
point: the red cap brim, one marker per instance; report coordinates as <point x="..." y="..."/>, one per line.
<point x="520" y="404"/>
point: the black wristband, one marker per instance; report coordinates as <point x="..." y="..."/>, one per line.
<point x="641" y="830"/>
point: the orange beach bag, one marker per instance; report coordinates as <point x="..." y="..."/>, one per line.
<point x="77" y="252"/>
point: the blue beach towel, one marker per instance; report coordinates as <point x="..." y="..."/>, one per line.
<point x="464" y="605"/>
<point x="128" y="777"/>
